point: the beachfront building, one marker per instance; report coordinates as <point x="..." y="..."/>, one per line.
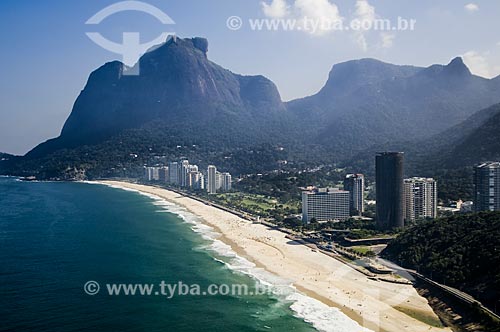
<point x="487" y="187"/>
<point x="173" y="173"/>
<point x="420" y="198"/>
<point x="390" y="189"/>
<point x="152" y="173"/>
<point x="212" y="179"/>
<point x="325" y="204"/>
<point x="163" y="174"/>
<point x="355" y="185"/>
<point x="218" y="180"/>
<point x="226" y="181"/>
<point x="196" y="180"/>
<point x="183" y="173"/>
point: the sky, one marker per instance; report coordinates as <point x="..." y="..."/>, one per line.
<point x="47" y="55"/>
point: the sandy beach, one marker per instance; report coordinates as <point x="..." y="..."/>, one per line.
<point x="376" y="305"/>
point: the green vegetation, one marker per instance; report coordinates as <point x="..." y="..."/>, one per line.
<point x="264" y="206"/>
<point x="363" y="251"/>
<point x="460" y="251"/>
<point x="286" y="185"/>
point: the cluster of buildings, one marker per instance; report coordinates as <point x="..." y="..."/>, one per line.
<point x="183" y="174"/>
<point x="332" y="204"/>
<point x="399" y="200"/>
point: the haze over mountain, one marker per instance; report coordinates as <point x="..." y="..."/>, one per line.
<point x="181" y="98"/>
<point x="367" y="102"/>
<point x="177" y="86"/>
<point x="480" y="139"/>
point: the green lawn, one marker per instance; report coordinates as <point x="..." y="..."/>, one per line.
<point x="253" y="202"/>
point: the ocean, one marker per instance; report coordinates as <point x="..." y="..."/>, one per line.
<point x="55" y="237"/>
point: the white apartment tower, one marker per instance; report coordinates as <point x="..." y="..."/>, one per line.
<point x="212" y="179"/>
<point x="420" y="198"/>
<point x="326" y="204"/>
<point x="226" y="181"/>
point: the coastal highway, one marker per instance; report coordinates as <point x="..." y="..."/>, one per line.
<point x="464" y="297"/>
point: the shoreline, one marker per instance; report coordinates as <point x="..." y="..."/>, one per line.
<point x="371" y="304"/>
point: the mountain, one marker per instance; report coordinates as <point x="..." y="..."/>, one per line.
<point x="367" y="102"/>
<point x="470" y="142"/>
<point x="346" y="78"/>
<point x="179" y="87"/>
<point x="460" y="251"/>
<point x="5" y="156"/>
<point x="184" y="105"/>
<point x="5" y="159"/>
<point x="480" y="141"/>
<point x="457" y="134"/>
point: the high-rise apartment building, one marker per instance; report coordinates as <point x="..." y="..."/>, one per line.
<point x="420" y="199"/>
<point x="487" y="187"/>
<point x="355" y="185"/>
<point x="164" y="174"/>
<point x="389" y="189"/>
<point x="152" y="173"/>
<point x="183" y="173"/>
<point x="226" y="181"/>
<point x="218" y="180"/>
<point x="325" y="204"/>
<point x="212" y="179"/>
<point x="173" y="173"/>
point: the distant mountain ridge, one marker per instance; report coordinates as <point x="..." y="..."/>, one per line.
<point x="392" y="103"/>
<point x="5" y="155"/>
<point x="181" y="98"/>
<point x="480" y="141"/>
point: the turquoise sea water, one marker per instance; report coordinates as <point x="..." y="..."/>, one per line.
<point x="54" y="237"/>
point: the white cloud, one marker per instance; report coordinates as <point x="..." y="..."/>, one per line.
<point x="387" y="39"/>
<point x="364" y="11"/>
<point x="365" y="15"/>
<point x="276" y="9"/>
<point x="324" y="13"/>
<point x="471" y="7"/>
<point x="318" y="10"/>
<point x="319" y="16"/>
<point x="478" y="64"/>
<point x="322" y="17"/>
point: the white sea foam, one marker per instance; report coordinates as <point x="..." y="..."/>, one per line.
<point x="321" y="316"/>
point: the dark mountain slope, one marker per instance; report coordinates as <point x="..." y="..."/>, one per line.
<point x="5" y="156"/>
<point x="181" y="98"/>
<point x="346" y="78"/>
<point x="177" y="85"/>
<point x="482" y="144"/>
<point x="399" y="104"/>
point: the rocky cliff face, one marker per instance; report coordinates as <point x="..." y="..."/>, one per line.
<point x="181" y="97"/>
<point x="177" y="85"/>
